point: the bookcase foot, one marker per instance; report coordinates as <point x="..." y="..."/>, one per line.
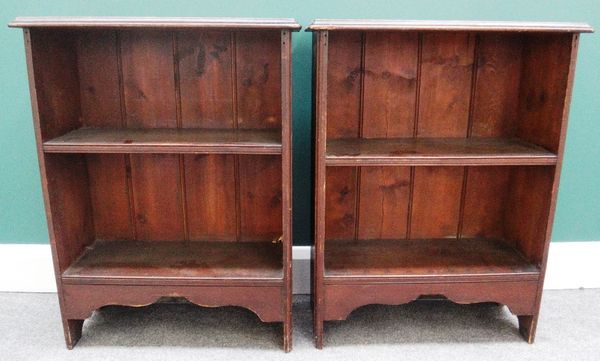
<point x="318" y="332"/>
<point x="527" y="326"/>
<point x="287" y="337"/>
<point x="73" y="329"/>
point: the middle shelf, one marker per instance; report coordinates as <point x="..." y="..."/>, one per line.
<point x="143" y="262"/>
<point x="436" y="152"/>
<point x="126" y="140"/>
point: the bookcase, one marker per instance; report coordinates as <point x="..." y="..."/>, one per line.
<point x="438" y="147"/>
<point x="165" y="155"/>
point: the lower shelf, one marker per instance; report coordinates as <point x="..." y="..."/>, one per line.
<point x="161" y="262"/>
<point x="425" y="260"/>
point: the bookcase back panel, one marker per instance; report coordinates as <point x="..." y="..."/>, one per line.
<point x="445" y="84"/>
<point x="390" y="83"/>
<point x="210" y="196"/>
<point x="195" y="197"/>
<point x="458" y="84"/>
<point x="206" y="67"/>
<point x="110" y="195"/>
<point x="454" y="84"/>
<point x="183" y="78"/>
<point x="167" y="79"/>
<point x="503" y="202"/>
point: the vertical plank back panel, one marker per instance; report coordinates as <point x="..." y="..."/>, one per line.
<point x="494" y="114"/>
<point x="486" y="195"/>
<point x="344" y="69"/>
<point x="496" y="96"/>
<point x="389" y="84"/>
<point x="389" y="98"/>
<point x="546" y="60"/>
<point x="258" y="67"/>
<point x="383" y="208"/>
<point x="150" y="102"/>
<point x="340" y="202"/>
<point x="148" y="80"/>
<point x="343" y="84"/>
<point x="205" y="77"/>
<point x="444" y="101"/>
<point x="258" y="99"/>
<point x="260" y="197"/>
<point x="446" y="70"/>
<point x="155" y="179"/>
<point x="206" y="71"/>
<point x="98" y="66"/>
<point x="109" y="189"/>
<point x="210" y="191"/>
<point x="436" y="202"/>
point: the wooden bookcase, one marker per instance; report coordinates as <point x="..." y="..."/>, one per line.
<point x="438" y="149"/>
<point x="165" y="155"/>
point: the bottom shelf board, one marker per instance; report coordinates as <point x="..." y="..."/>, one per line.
<point x="425" y="258"/>
<point x="122" y="261"/>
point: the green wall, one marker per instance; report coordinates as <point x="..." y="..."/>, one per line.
<point x="22" y="217"/>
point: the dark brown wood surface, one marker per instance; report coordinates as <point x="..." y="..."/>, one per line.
<point x="153" y="22"/>
<point x="447" y="25"/>
<point x="145" y="262"/>
<point x="425" y="258"/>
<point x="168" y="147"/>
<point x="166" y="140"/>
<point x="437" y="155"/>
<point x="436" y="152"/>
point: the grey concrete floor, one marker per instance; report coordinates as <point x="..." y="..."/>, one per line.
<point x="569" y="329"/>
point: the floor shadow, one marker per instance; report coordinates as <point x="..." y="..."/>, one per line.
<point x="184" y="324"/>
<point x="425" y="321"/>
<point x="180" y="324"/>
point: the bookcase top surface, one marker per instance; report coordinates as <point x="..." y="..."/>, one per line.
<point x="448" y="25"/>
<point x="153" y="22"/>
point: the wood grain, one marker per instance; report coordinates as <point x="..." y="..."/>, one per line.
<point x="344" y="85"/>
<point x="163" y="147"/>
<point x="166" y="140"/>
<point x="260" y="198"/>
<point x="389" y="85"/>
<point x="447" y="26"/>
<point x="340" y="203"/>
<point x="543" y="90"/>
<point x="205" y="72"/>
<point x="258" y="74"/>
<point x="429" y="258"/>
<point x="154" y="22"/>
<point x="141" y="261"/>
<point x="436" y="152"/>
<point x="384" y="194"/>
<point x="210" y="191"/>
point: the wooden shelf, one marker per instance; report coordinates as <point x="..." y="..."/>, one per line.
<point x="149" y="262"/>
<point x="103" y="140"/>
<point x="436" y="152"/>
<point x="426" y="260"/>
